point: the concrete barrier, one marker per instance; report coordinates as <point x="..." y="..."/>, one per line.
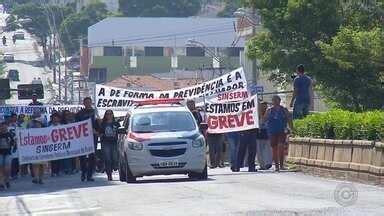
<point x="359" y="158"/>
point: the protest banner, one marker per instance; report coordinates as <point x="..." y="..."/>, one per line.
<point x="45" y="110"/>
<point x="231" y="86"/>
<point x="53" y="143"/>
<point x="232" y="116"/>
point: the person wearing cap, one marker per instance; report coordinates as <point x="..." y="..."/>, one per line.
<point x="302" y="98"/>
<point x="264" y="151"/>
<point x="88" y="165"/>
<point x="37" y="168"/>
<point x="35" y="102"/>
<point x="6" y="145"/>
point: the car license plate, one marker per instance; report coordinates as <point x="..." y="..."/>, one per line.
<point x="168" y="163"/>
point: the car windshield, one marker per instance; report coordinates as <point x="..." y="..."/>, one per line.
<point x="163" y="122"/>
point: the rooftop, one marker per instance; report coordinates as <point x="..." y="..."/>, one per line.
<point x="163" y="32"/>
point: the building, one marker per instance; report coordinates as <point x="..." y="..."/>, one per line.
<point x="142" y="46"/>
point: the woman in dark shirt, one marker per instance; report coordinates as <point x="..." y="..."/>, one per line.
<point x="108" y="132"/>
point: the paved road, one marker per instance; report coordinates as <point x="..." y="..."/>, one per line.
<point x="27" y="62"/>
<point x="225" y="193"/>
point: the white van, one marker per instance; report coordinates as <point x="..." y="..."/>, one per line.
<point x="161" y="139"/>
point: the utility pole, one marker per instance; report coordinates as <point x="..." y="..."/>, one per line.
<point x="54" y="57"/>
<point x="66" y="78"/>
<point x="255" y="72"/>
<point x="59" y="75"/>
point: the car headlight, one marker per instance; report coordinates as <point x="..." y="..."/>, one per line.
<point x="135" y="146"/>
<point x="199" y="142"/>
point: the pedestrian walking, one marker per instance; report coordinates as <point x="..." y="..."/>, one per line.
<point x="109" y="135"/>
<point x="196" y="114"/>
<point x="38" y="167"/>
<point x="35" y="102"/>
<point x="69" y="164"/>
<point x="4" y="41"/>
<point x="56" y="165"/>
<point x="87" y="163"/>
<point x="6" y="146"/>
<point x="302" y="98"/>
<point x="247" y="143"/>
<point x="277" y="118"/>
<point x="215" y="145"/>
<point x="14" y="39"/>
<point x="264" y="151"/>
<point x="234" y="142"/>
<point x="12" y="125"/>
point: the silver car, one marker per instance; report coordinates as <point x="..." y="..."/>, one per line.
<point x="161" y="140"/>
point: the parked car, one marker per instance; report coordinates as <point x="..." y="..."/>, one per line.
<point x="8" y="57"/>
<point x="161" y="139"/>
<point x="13" y="75"/>
<point x="19" y="35"/>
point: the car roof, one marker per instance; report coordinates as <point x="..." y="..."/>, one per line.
<point x="159" y="108"/>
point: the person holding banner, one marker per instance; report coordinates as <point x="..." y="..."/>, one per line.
<point x="69" y="164"/>
<point x="34" y="101"/>
<point x="264" y="151"/>
<point x="56" y="165"/>
<point x="277" y="118"/>
<point x="215" y="148"/>
<point x="6" y="145"/>
<point x="37" y="168"/>
<point x="247" y="142"/>
<point x="12" y="125"/>
<point x="109" y="135"/>
<point x="88" y="165"/>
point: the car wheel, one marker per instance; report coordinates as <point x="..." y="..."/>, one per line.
<point x="122" y="174"/>
<point x="129" y="176"/>
<point x="203" y="175"/>
<point x="199" y="176"/>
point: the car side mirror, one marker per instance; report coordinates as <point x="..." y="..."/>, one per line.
<point x="122" y="130"/>
<point x="203" y="126"/>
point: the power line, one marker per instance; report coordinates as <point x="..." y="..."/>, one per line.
<point x="162" y="38"/>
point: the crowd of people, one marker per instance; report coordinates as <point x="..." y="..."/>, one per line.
<point x="267" y="143"/>
<point x="105" y="129"/>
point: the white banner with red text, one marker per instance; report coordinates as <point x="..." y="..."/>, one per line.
<point x="232" y="116"/>
<point x="229" y="87"/>
<point x="52" y="143"/>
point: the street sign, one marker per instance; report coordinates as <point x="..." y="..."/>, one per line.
<point x="5" y="90"/>
<point x="256" y="89"/>
<point x="25" y="91"/>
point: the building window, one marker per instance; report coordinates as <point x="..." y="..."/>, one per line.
<point x="154" y="51"/>
<point x="113" y="51"/>
<point x="97" y="75"/>
<point x="233" y="51"/>
<point x="195" y="51"/>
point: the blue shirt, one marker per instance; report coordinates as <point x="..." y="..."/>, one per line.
<point x="302" y="85"/>
<point x="277" y="121"/>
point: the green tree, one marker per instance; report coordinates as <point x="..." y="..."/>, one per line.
<point x="75" y="26"/>
<point x="160" y="8"/>
<point x="306" y="32"/>
<point x="44" y="20"/>
<point x="230" y="7"/>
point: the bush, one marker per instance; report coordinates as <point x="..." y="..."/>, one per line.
<point x="339" y="124"/>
